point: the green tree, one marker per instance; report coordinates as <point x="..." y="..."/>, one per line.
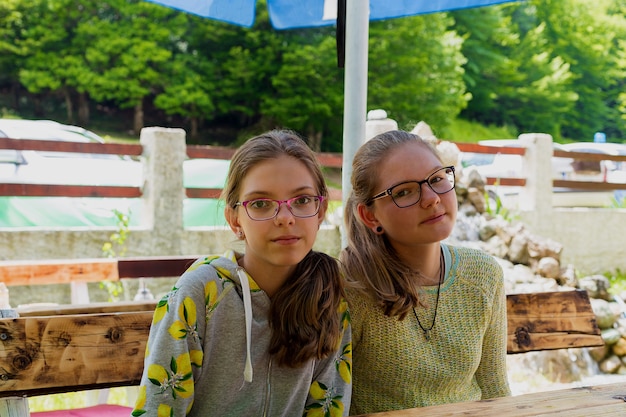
<point x="128" y="47"/>
<point x="488" y="37"/>
<point x="589" y="40"/>
<point x="415" y="70"/>
<point x="12" y="47"/>
<point x="309" y="93"/>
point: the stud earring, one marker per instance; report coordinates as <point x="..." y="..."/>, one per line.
<point x="240" y="235"/>
<point x="379" y="229"/>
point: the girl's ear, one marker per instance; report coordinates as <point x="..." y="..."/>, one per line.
<point x="367" y="216"/>
<point x="322" y="213"/>
<point x="230" y="214"/>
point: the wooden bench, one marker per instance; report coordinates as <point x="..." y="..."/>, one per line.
<point x="72" y="348"/>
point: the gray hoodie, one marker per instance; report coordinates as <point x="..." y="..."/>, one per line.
<point x="207" y="354"/>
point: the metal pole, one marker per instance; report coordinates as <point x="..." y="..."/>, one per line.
<point x="355" y="90"/>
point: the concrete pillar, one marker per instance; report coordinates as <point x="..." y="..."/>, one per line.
<point x="377" y="123"/>
<point x="536" y="196"/>
<point x="164" y="151"/>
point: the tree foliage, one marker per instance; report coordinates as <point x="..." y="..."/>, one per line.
<point x="553" y="66"/>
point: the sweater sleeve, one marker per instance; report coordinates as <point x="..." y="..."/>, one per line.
<point x="331" y="388"/>
<point x="174" y="351"/>
<point x="491" y="374"/>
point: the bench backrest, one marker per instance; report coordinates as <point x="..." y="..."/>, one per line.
<point x="100" y="346"/>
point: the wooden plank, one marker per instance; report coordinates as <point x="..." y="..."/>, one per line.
<point x="65" y="271"/>
<point x="51" y="190"/>
<point x="58" y="271"/>
<point x="152" y="267"/>
<point x="41" y="355"/>
<point x="513" y="182"/>
<point x="601" y="400"/>
<point x="589" y="185"/>
<point x="76" y="147"/>
<point x="552" y="320"/>
<point x="91" y="308"/>
<point x="475" y="147"/>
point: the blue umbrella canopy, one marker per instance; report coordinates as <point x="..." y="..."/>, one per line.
<point x="287" y="14"/>
<point x="352" y="19"/>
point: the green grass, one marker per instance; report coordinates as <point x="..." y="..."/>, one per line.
<point x="471" y="132"/>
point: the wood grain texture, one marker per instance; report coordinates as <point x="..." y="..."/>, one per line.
<point x="39" y="355"/>
<point x="34" y="272"/>
<point x="552" y="320"/>
<point x="601" y="400"/>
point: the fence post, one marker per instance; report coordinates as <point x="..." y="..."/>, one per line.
<point x="14" y="407"/>
<point x="536" y="196"/>
<point x="164" y="151"/>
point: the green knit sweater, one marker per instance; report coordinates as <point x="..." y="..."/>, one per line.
<point x="395" y="367"/>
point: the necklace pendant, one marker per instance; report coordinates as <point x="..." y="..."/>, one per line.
<point x="427" y="334"/>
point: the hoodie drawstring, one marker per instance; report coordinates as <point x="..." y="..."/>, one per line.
<point x="247" y="307"/>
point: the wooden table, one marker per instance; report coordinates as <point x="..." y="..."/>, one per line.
<point x="592" y="401"/>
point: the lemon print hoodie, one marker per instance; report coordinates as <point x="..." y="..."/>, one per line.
<point x="207" y="354"/>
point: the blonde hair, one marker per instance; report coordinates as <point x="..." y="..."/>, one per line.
<point x="304" y="312"/>
<point x="369" y="261"/>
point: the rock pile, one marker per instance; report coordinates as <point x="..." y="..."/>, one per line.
<point x="533" y="264"/>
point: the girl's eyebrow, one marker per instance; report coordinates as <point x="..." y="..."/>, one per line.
<point x="305" y="189"/>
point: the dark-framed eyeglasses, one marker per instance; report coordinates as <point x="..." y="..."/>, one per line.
<point x="266" y="208"/>
<point x="408" y="193"/>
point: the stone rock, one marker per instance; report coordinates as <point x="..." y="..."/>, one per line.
<point x="568" y="277"/>
<point x="449" y="153"/>
<point x="423" y="130"/>
<point x="477" y="198"/>
<point x="597" y="286"/>
<point x="598" y="353"/>
<point x="496" y="247"/>
<point x="610" y="336"/>
<point x="518" y="249"/>
<point x="610" y="365"/>
<point x="473" y="179"/>
<point x="549" y="267"/>
<point x="619" y="348"/>
<point x="604" y="315"/>
<point x="539" y="247"/>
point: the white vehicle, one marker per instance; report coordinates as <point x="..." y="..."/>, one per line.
<point x="605" y="171"/>
<point x="507" y="165"/>
<point x="67" y="168"/>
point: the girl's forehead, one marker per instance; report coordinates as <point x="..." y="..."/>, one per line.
<point x="276" y="175"/>
<point x="407" y="162"/>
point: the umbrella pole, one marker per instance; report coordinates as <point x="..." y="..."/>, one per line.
<point x="355" y="90"/>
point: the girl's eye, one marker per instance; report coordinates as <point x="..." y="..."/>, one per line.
<point x="436" y="179"/>
<point x="403" y="192"/>
<point x="302" y="200"/>
<point x="259" y="204"/>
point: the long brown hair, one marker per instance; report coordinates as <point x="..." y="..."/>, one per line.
<point x="304" y="312"/>
<point x="369" y="261"/>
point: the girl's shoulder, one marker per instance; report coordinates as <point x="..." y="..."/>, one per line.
<point x="210" y="268"/>
<point x="475" y="265"/>
<point x="469" y="257"/>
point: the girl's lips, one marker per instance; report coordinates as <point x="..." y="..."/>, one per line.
<point x="435" y="218"/>
<point x="286" y="240"/>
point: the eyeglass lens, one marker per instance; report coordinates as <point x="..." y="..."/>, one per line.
<point x="265" y="209"/>
<point x="409" y="193"/>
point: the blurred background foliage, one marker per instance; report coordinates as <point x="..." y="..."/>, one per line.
<point x="550" y="66"/>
